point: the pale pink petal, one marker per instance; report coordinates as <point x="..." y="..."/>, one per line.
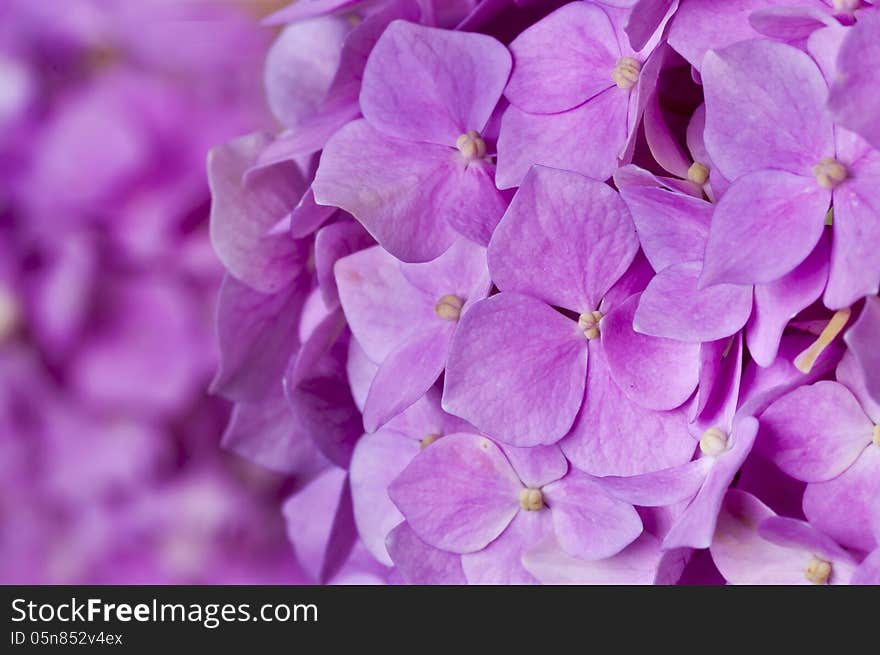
<point x="458" y="494"/>
<point x="420" y="563"/>
<point x="581" y="228"/>
<point x="516" y="370"/>
<point x="428" y="84"/>
<point x="500" y="563"/>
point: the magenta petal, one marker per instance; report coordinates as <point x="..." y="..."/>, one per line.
<point x="862" y="341"/>
<point x="588" y="522"/>
<point x="719" y="390"/>
<point x="854" y="101"/>
<point x="383" y="309"/>
<point x="695" y="527"/>
<point x="458" y="494"/>
<point x="420" y="563"/>
<point x="788" y="128"/>
<point x="396" y="189"/>
<point x="581" y="228"/>
<point x="673" y="228"/>
<point x="406" y="374"/>
<point x="268" y="433"/>
<point x="516" y="370"/>
<point x="500" y="563"/>
<point x="635" y="564"/>
<point x="377" y="460"/>
<point x="657" y="373"/>
<point x="538" y="465"/>
<point x="245" y="210"/>
<point x="742" y="556"/>
<point x="855" y="269"/>
<point x="300" y="66"/>
<point x="563" y="60"/>
<point x="868" y="572"/>
<point x="763" y="227"/>
<point x="332" y="243"/>
<point x="842" y="508"/>
<point x="815" y="433"/>
<point x="673" y="306"/>
<point x="615" y="436"/>
<point x="428" y="84"/>
<point x="308" y="216"/>
<point x="789" y="23"/>
<point x="257" y="335"/>
<point x="659" y="488"/>
<point x="793" y="533"/>
<point x="587" y="139"/>
<point x="776" y="303"/>
<point x="304" y="9"/>
<point x="320" y="523"/>
<point x="473" y="205"/>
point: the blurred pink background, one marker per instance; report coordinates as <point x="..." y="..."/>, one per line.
<point x="110" y="465"/>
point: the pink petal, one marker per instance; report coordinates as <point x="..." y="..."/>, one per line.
<point x="842" y="508"/>
<point x="332" y="243"/>
<point x="789" y="24"/>
<point x="563" y="60"/>
<point x="742" y="556"/>
<point x="406" y="374"/>
<point x="383" y="309"/>
<point x="855" y="269"/>
<point x="257" y="334"/>
<point x="815" y="432"/>
<point x="397" y="190"/>
<point x="656" y="373"/>
<point x="614" y="436"/>
<point x="420" y="563"/>
<point x="308" y="216"/>
<point x="673" y="306"/>
<point x="854" y="102"/>
<point x="861" y="339"/>
<point x="320" y="523"/>
<point x="300" y="66"/>
<point x="428" y="84"/>
<point x="776" y="303"/>
<point x="244" y="212"/>
<point x="719" y="390"/>
<point x="305" y="9"/>
<point x="500" y="563"/>
<point x="659" y="488"/>
<point x="588" y="522"/>
<point x="695" y="527"/>
<point x="268" y="433"/>
<point x="868" y="572"/>
<point x="763" y="227"/>
<point x="582" y="230"/>
<point x="377" y="460"/>
<point x="673" y="228"/>
<point x="635" y="564"/>
<point x="538" y="465"/>
<point x="765" y="109"/>
<point x="516" y="370"/>
<point x="586" y="139"/>
<point x="793" y="533"/>
<point x="458" y="494"/>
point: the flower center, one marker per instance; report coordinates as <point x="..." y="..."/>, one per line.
<point x="805" y="361"/>
<point x="589" y="323"/>
<point x="471" y="145"/>
<point x="626" y="72"/>
<point x="818" y="571"/>
<point x="449" y="307"/>
<point x="428" y="440"/>
<point x="697" y="173"/>
<point x="876" y="437"/>
<point x="531" y="500"/>
<point x="9" y="313"/>
<point x="829" y="172"/>
<point x="713" y="442"/>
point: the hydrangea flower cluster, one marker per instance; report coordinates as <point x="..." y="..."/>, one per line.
<point x="562" y="292"/>
<point x="109" y="465"/>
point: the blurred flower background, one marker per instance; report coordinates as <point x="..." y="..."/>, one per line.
<point x="110" y="470"/>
